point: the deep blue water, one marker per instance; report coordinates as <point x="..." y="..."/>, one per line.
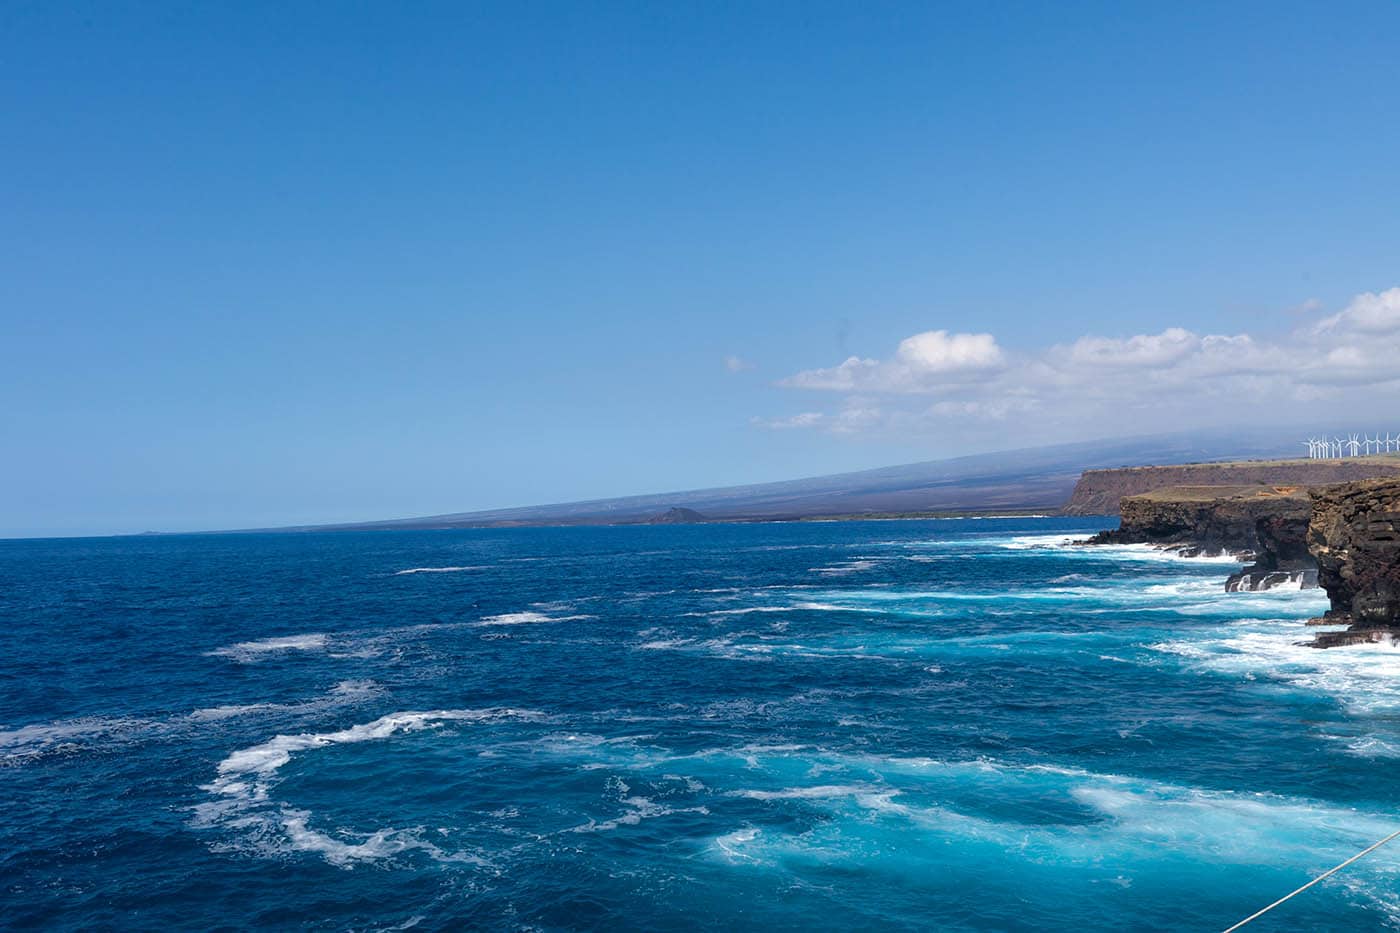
<point x="899" y="725"/>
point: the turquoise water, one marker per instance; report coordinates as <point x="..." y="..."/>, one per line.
<point x="898" y="725"/>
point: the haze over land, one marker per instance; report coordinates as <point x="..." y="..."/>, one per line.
<point x="1034" y="479"/>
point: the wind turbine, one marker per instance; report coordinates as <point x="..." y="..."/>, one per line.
<point x="1366" y="443"/>
<point x="1354" y="445"/>
<point x="1336" y="446"/>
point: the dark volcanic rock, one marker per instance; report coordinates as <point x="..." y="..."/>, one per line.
<point x="1210" y="519"/>
<point x="1354" y="535"/>
<point x="1266" y="524"/>
<point x="1281" y="556"/>
<point x="1354" y="636"/>
<point x="1253" y="579"/>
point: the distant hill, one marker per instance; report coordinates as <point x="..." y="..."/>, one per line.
<point x="1031" y="479"/>
<point x="677" y="516"/>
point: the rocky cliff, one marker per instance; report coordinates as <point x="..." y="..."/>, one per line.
<point x="1206" y="519"/>
<point x="1265" y="524"/>
<point x="1343" y="537"/>
<point x="1281" y="556"/>
<point x="1099" y="492"/>
<point x="1354" y="534"/>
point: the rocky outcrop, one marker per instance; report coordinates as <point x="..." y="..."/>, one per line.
<point x="1206" y="519"/>
<point x="1281" y="556"/>
<point x="1267" y="525"/>
<point x="1354" y="534"/>
<point x="1344" y="537"/>
<point x="1099" y="492"/>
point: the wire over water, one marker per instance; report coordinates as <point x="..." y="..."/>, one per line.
<point x="1331" y="871"/>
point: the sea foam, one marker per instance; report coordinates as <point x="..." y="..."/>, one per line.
<point x="413" y="570"/>
<point x="248" y="652"/>
<point x="243" y="804"/>
<point x="528" y="617"/>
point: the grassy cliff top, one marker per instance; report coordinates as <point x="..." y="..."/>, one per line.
<point x="1210" y="493"/>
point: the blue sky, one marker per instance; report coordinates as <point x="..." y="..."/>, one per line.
<point x="269" y="263"/>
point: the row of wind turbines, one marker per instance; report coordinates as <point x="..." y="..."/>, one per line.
<point x="1324" y="448"/>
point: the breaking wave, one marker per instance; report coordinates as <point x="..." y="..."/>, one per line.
<point x="412" y="570"/>
<point x="250" y="652"/>
<point x="243" y="803"/>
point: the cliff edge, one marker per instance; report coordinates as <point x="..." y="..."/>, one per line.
<point x="1354" y="534"/>
<point x="1099" y="492"/>
<point x="1205" y="519"/>
<point x="1265" y="524"/>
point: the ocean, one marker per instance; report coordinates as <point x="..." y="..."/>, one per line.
<point x="952" y="725"/>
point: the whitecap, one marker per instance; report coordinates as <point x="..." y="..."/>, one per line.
<point x="26" y="743"/>
<point x="375" y="846"/>
<point x="1371" y="746"/>
<point x="528" y="617"/>
<point x="1066" y="545"/>
<point x="817" y="792"/>
<point x="1120" y="821"/>
<point x="1364" y="678"/>
<point x="638" y="809"/>
<point x="345" y="693"/>
<point x="400" y="573"/>
<point x="242" y="793"/>
<point x="730" y="843"/>
<point x="248" y="652"/>
<point x="846" y="566"/>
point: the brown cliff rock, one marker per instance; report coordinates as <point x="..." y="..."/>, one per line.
<point x="1354" y="534"/>
<point x="1206" y="519"/>
<point x="1266" y="524"/>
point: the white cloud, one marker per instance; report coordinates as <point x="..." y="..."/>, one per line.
<point x="981" y="410"/>
<point x="855" y="416"/>
<point x="806" y="419"/>
<point x="1172" y="378"/>
<point x="1170" y="345"/>
<point x="922" y="363"/>
<point x="1368" y="313"/>
<point x="848" y="375"/>
<point x="737" y="364"/>
<point x="937" y="351"/>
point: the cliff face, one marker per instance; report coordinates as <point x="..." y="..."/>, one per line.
<point x="1354" y="534"/>
<point x="1098" y="492"/>
<point x="1208" y="519"/>
<point x="1265" y="524"/>
<point x="1345" y="537"/>
<point x="1281" y="556"/>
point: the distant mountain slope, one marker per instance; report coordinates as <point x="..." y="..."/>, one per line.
<point x="677" y="516"/>
<point x="1039" y="478"/>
